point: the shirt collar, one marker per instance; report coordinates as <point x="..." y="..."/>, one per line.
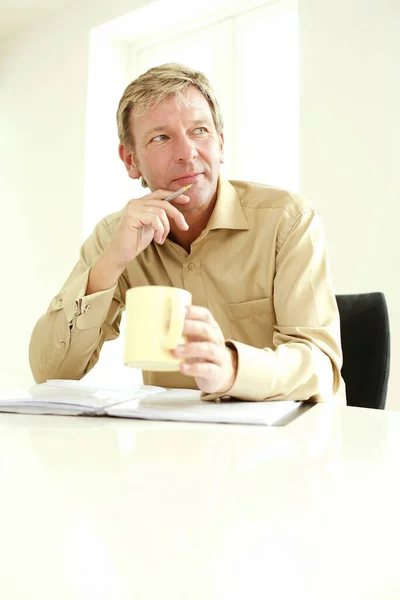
<point x="228" y="212"/>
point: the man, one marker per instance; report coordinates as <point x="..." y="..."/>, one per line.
<point x="264" y="323"/>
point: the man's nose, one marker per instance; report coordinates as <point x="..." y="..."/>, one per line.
<point x="185" y="149"/>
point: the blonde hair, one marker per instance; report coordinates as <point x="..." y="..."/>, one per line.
<point x="155" y="85"/>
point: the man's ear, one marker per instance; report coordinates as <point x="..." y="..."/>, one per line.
<point x="127" y="158"/>
<point x="221" y="142"/>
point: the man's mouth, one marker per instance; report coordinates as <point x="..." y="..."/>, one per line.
<point x="188" y="178"/>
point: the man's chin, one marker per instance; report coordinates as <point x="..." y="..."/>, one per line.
<point x="196" y="201"/>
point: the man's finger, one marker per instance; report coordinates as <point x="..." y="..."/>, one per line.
<point x="172" y="212"/>
<point x="157" y="200"/>
<point x="152" y="220"/>
<point x="206" y="370"/>
<point x="164" y="220"/>
<point x="200" y="313"/>
<point x="201" y="351"/>
<point x="201" y="330"/>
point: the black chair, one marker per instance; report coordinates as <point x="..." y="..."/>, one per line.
<point x="364" y="325"/>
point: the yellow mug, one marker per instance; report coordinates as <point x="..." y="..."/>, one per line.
<point x="154" y="326"/>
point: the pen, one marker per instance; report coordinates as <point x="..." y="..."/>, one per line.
<point x="178" y="193"/>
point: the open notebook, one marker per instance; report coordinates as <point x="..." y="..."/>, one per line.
<point x="66" y="397"/>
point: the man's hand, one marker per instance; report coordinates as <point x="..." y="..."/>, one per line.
<point x="205" y="355"/>
<point x="144" y="219"/>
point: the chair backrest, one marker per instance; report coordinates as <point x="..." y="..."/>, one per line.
<point x="364" y="325"/>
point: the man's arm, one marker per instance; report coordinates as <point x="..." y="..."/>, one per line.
<point x="306" y="361"/>
<point x="67" y="339"/>
<point x="307" y="358"/>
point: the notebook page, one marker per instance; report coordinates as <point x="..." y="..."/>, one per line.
<point x="186" y="405"/>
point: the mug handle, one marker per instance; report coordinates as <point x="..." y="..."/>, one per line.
<point x="177" y="318"/>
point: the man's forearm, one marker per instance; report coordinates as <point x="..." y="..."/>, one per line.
<point x="103" y="275"/>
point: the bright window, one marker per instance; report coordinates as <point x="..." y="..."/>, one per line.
<point x="251" y="59"/>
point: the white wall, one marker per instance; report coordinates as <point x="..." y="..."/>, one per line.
<point x="350" y="145"/>
<point x="43" y="94"/>
<point x="349" y="121"/>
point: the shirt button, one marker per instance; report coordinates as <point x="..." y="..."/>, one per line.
<point x="192" y="266"/>
<point x="62" y="344"/>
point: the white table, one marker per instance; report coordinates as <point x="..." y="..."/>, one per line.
<point x="115" y="509"/>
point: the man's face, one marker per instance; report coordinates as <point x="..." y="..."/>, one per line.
<point x="177" y="144"/>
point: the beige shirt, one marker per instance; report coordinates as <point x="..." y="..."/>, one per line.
<point x="261" y="268"/>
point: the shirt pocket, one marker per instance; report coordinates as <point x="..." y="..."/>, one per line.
<point x="252" y="322"/>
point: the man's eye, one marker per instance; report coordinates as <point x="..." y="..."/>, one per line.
<point x="200" y="130"/>
<point x="159" y="138"/>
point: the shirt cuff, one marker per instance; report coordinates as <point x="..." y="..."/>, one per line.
<point x="253" y="376"/>
<point x="86" y="311"/>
